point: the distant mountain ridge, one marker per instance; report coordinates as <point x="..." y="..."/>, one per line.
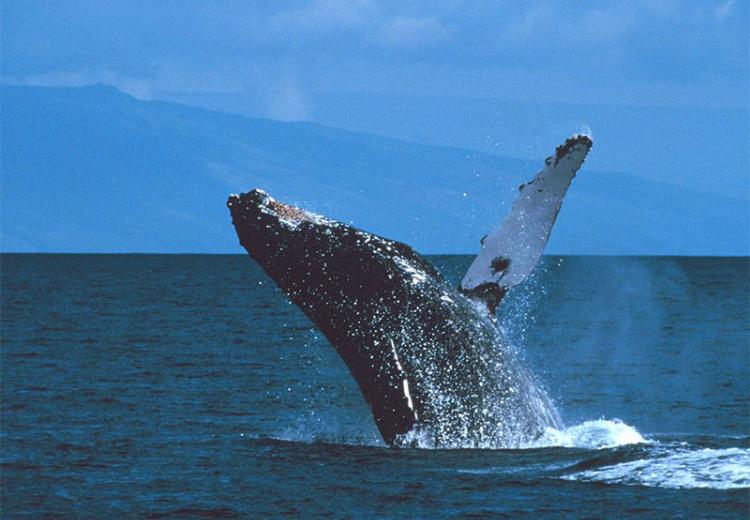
<point x="94" y="170"/>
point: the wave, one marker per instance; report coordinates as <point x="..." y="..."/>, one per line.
<point x="673" y="465"/>
<point x="727" y="468"/>
<point x="617" y="455"/>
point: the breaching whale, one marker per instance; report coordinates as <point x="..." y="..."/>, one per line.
<point x="428" y="357"/>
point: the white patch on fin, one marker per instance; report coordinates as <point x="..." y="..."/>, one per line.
<point x="510" y="253"/>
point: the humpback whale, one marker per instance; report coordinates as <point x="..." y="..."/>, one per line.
<point x="428" y="357"/>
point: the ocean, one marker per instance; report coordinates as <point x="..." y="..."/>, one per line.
<point x="187" y="386"/>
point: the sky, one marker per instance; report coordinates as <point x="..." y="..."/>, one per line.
<point x="657" y="52"/>
<point x="511" y="78"/>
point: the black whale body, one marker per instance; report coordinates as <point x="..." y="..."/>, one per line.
<point x="430" y="362"/>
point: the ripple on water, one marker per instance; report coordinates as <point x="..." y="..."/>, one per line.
<point x="685" y="469"/>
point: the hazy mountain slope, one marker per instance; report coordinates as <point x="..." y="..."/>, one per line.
<point x="92" y="169"/>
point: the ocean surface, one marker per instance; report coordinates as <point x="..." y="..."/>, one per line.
<point x="188" y="387"/>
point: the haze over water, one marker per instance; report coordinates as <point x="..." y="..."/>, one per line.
<point x="187" y="386"/>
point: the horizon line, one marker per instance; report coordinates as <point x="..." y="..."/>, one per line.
<point x="136" y="253"/>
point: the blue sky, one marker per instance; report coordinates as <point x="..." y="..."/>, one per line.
<point x="511" y="78"/>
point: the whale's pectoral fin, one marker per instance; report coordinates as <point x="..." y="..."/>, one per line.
<point x="509" y="254"/>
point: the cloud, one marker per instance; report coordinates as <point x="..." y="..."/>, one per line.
<point x="554" y="25"/>
<point x="403" y="31"/>
<point x="606" y="25"/>
<point x="241" y="49"/>
<point x="661" y="8"/>
<point x="139" y="88"/>
<point x="321" y="17"/>
<point x="531" y="24"/>
<point x="723" y="10"/>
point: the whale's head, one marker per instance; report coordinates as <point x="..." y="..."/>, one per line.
<point x="270" y="229"/>
<point x="303" y="251"/>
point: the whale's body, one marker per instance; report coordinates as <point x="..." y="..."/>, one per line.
<point x="428" y="358"/>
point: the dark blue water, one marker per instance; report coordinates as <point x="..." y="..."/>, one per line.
<point x="187" y="386"/>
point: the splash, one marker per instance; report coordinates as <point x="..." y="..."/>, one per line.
<point x="503" y="407"/>
<point x="596" y="434"/>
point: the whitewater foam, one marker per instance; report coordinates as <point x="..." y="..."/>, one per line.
<point x="687" y="469"/>
<point x="597" y="434"/>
